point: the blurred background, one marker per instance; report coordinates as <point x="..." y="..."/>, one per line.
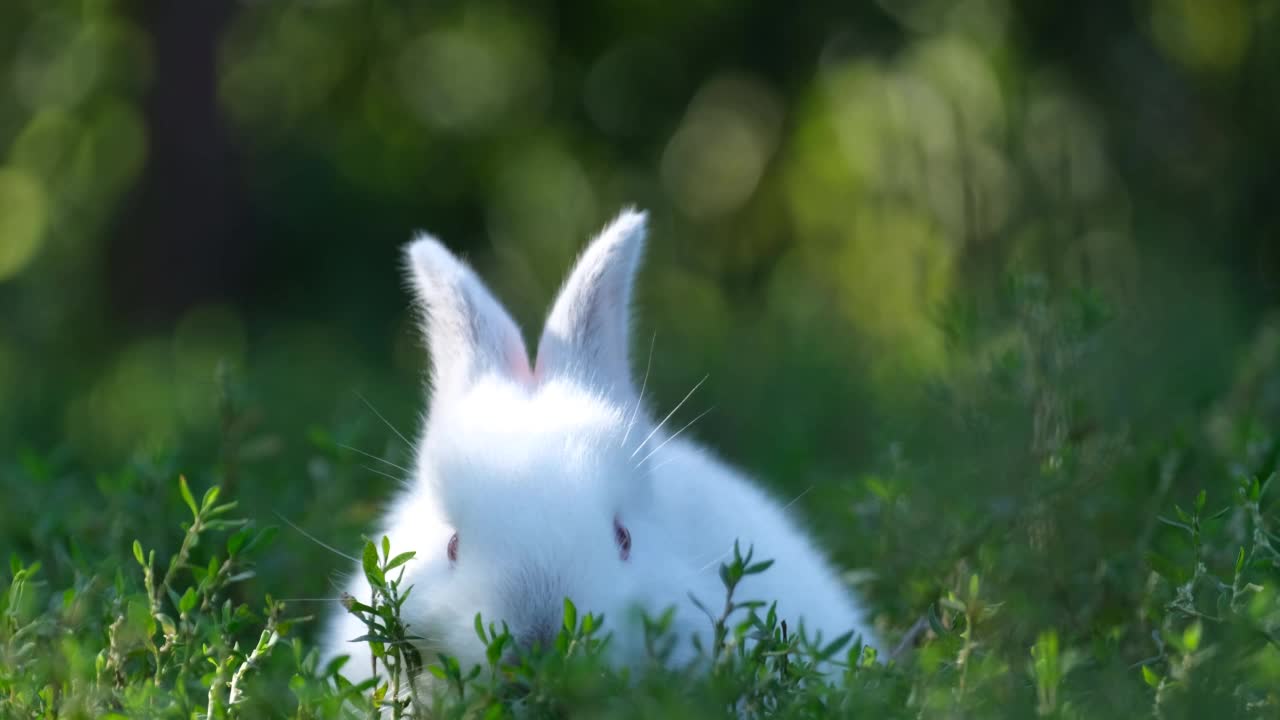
<point x="956" y="269"/>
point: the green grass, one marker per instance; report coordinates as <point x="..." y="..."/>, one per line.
<point x="1044" y="556"/>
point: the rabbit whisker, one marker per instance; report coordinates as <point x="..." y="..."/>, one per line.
<point x="662" y="464"/>
<point x="410" y="641"/>
<point x="371" y="456"/>
<point x="676" y="434"/>
<point x="643" y="384"/>
<point x="673" y="412"/>
<point x="315" y="539"/>
<point x="383" y="419"/>
<point x="697" y="558"/>
<point x="796" y="499"/>
<point x="714" y="562"/>
<point x="383" y="474"/>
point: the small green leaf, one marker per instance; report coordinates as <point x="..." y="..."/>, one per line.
<point x="1200" y="500"/>
<point x="570" y="616"/>
<point x="400" y="559"/>
<point x="210" y="497"/>
<point x="480" y="630"/>
<point x="223" y="508"/>
<point x="263" y="539"/>
<point x="1240" y="560"/>
<point x="878" y="487"/>
<point x="834" y="646"/>
<point x="186" y="495"/>
<point x="188" y="601"/>
<point x="869" y="655"/>
<point x="1150" y="676"/>
<point x="1191" y="636"/>
<point x="237" y="540"/>
<point x="137" y="553"/>
<point x="369" y="562"/>
<point x="353" y="605"/>
<point x="1175" y="523"/>
<point x="386" y="547"/>
<point x="493" y="650"/>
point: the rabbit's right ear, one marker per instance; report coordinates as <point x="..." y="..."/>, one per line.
<point x="468" y="333"/>
<point x="587" y="331"/>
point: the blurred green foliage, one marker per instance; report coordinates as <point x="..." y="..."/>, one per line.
<point x="987" y="287"/>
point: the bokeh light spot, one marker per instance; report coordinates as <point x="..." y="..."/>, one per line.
<point x="260" y="81"/>
<point x="894" y="267"/>
<point x="23" y="218"/>
<point x="46" y="146"/>
<point x="131" y="406"/>
<point x="118" y="138"/>
<point x="57" y="63"/>
<point x="959" y="71"/>
<point x="468" y="78"/>
<point x="1206" y="35"/>
<point x="716" y="158"/>
<point x="1064" y="144"/>
<point x="543" y="207"/>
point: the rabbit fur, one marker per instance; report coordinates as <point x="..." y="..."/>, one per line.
<point x="557" y="483"/>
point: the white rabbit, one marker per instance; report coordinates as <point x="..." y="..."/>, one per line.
<point x="533" y="485"/>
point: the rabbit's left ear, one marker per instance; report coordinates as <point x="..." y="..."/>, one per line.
<point x="587" y="332"/>
<point x="467" y="331"/>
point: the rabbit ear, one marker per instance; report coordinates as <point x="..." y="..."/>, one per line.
<point x="468" y="333"/>
<point x="587" y="331"/>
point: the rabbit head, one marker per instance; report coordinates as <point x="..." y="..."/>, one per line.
<point x="528" y="487"/>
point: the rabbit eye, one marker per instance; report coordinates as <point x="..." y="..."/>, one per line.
<point x="453" y="548"/>
<point x="623" y="537"/>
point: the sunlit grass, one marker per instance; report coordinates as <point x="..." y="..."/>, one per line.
<point x="1002" y="603"/>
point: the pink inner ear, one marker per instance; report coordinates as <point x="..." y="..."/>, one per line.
<point x="540" y="365"/>
<point x="518" y="364"/>
<point x="537" y="369"/>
